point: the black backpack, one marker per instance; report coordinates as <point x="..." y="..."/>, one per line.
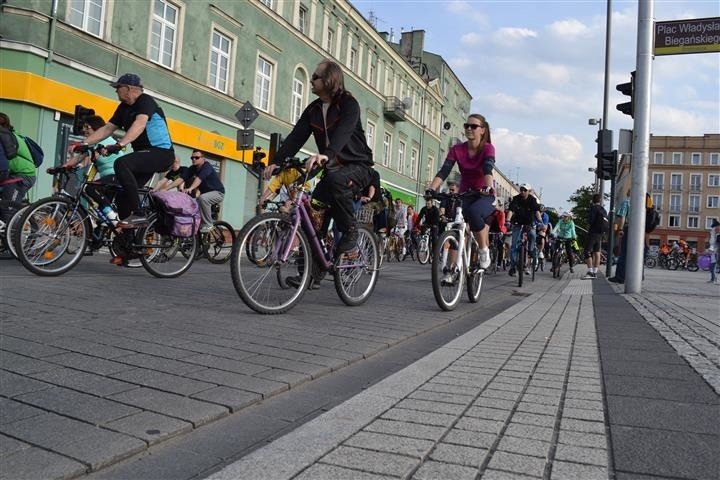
<point x="9" y="142"/>
<point x="601" y="223"/>
<point x="652" y="217"/>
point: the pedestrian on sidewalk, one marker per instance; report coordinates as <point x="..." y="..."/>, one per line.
<point x="597" y="219"/>
<point x="715" y="248"/>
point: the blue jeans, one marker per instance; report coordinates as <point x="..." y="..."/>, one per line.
<point x="620" y="268"/>
<point x="517" y="239"/>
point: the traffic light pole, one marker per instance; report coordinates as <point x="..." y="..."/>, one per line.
<point x="641" y="148"/>
<point x="606" y="95"/>
<point x="611" y="219"/>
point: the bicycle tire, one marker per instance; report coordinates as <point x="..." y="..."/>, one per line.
<point x="672" y="264"/>
<point x="355" y="279"/>
<point x="650" y="262"/>
<point x="474" y="277"/>
<point x="447" y="295"/>
<point x="45" y="232"/>
<point x="493" y="259"/>
<point x="10" y="227"/>
<point x="220" y="240"/>
<point x="522" y="257"/>
<point x="165" y="256"/>
<point x="556" y="263"/>
<point x="382" y="246"/>
<point x="423" y="253"/>
<point x="260" y="281"/>
<point x="534" y="267"/>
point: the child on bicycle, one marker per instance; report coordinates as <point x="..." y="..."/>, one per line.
<point x="564" y="232"/>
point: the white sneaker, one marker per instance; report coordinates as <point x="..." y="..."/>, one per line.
<point x="541" y="255"/>
<point x="484" y="258"/>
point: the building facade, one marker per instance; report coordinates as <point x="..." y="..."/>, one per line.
<point x="203" y="60"/>
<point x="684" y="182"/>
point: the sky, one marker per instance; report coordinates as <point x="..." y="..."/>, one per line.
<point x="536" y="70"/>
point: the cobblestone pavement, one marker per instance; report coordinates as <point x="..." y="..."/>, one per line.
<point x="524" y="396"/>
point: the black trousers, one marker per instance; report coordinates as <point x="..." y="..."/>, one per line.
<point x="136" y="169"/>
<point x="339" y="189"/>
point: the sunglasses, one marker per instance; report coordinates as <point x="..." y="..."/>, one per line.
<point x="195" y="157"/>
<point x="315" y="76"/>
<point x="523" y="189"/>
<point x="472" y="126"/>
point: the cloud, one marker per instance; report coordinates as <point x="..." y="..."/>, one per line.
<point x="466" y="10"/>
<point x="553" y="74"/>
<point x="460" y="63"/>
<point x="667" y="120"/>
<point x="471" y="39"/>
<point x="569" y="28"/>
<point x="502" y="102"/>
<point x="510" y="36"/>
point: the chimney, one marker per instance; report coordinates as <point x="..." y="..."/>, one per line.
<point x="412" y="44"/>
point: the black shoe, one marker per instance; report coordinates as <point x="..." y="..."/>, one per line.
<point x="512" y="271"/>
<point x="294" y="282"/>
<point x="133" y="220"/>
<point x="615" y="280"/>
<point x="348" y="242"/>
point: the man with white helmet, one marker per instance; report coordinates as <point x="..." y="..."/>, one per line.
<point x="523" y="210"/>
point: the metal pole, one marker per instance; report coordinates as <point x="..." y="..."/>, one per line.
<point x="611" y="219"/>
<point x="606" y="98"/>
<point x="641" y="148"/>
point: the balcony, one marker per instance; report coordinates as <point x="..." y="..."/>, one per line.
<point x="674" y="209"/>
<point x="394" y="109"/>
<point x="693" y="209"/>
<point x="695" y="188"/>
<point x="657" y="187"/>
<point x="676" y="188"/>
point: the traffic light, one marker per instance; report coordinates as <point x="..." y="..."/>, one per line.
<point x="628" y="108"/>
<point x="605" y="155"/>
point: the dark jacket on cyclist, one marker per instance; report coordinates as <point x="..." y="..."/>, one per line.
<point x="523" y="210"/>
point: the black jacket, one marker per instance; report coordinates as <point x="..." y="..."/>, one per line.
<point x="347" y="137"/>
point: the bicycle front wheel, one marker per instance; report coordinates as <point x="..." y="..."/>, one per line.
<point x="51" y="236"/>
<point x="474" y="277"/>
<point x="522" y="258"/>
<point x="447" y="268"/>
<point x="263" y="280"/>
<point x="164" y="256"/>
<point x="218" y="242"/>
<point x="556" y="262"/>
<point x="355" y="279"/>
<point x="423" y="253"/>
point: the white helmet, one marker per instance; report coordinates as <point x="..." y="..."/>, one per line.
<point x="526" y="186"/>
<point x="566" y="214"/>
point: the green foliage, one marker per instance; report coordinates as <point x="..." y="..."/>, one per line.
<point x="582" y="198"/>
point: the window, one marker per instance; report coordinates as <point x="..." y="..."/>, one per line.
<point x="696" y="159"/>
<point x="267" y="3"/>
<point x="715" y="159"/>
<point x="414" y="155"/>
<point x="693" y="222"/>
<point x="401" y="157"/>
<point x="677" y="158"/>
<point x="675" y="203"/>
<point x="676" y="182"/>
<point x="88" y="15"/>
<point x="372" y="73"/>
<point x="220" y="61"/>
<point x="352" y="60"/>
<point x="370" y="134"/>
<point x="713" y="180"/>
<point x="709" y="221"/>
<point x="387" y="141"/>
<point x="302" y="19"/>
<point x="694" y="203"/>
<point x="658" y="160"/>
<point x="329" y="40"/>
<point x="263" y="84"/>
<point x="712" y="201"/>
<point x="674" y="221"/>
<point x="162" y="36"/>
<point x="657" y="199"/>
<point x="298" y="100"/>
<point x="695" y="182"/>
<point x="657" y="181"/>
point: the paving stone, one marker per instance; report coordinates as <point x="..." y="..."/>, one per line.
<point x="524" y="446"/>
<point x="14" y="384"/>
<point x="534" y="419"/>
<point x="529" y="431"/>
<point x="572" y="453"/>
<point x="435" y="407"/>
<point x="284" y="376"/>
<point x="10" y="445"/>
<point x="470" y="438"/>
<point x="163" y="381"/>
<point x="36" y="463"/>
<point x="490" y="474"/>
<point x="441" y="397"/>
<point x="573" y="403"/>
<point x="166" y="365"/>
<point x="91" y="445"/>
<point x="90" y="364"/>
<point x="28" y="348"/>
<point x="369" y="461"/>
<point x="541" y="399"/>
<point x="242" y="382"/>
<point x="406" y="429"/>
<point x="512" y="462"/>
<point x="151" y="427"/>
<point x="23" y="365"/>
<point x="12" y="411"/>
<point x="84" y="381"/>
<point x="451" y="389"/>
<point x="423" y="418"/>
<point x="479" y="425"/>
<point x="435" y="470"/>
<point x="504" y="394"/>
<point x="412" y="447"/>
<point x="582" y="439"/>
<point x="582" y="414"/>
<point x="582" y="425"/>
<point x="320" y="471"/>
<point x="462" y="455"/>
<point x="172" y="405"/>
<point x="235" y="365"/>
<point x="77" y="405"/>
<point x="488" y="413"/>
<point x="574" y="471"/>
<point x="232" y="398"/>
<point x="537" y="408"/>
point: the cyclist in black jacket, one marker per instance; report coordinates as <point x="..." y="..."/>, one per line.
<point x="334" y="121"/>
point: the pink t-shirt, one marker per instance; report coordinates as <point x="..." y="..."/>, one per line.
<point x="472" y="174"/>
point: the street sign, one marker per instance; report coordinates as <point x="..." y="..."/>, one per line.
<point x="246" y="115"/>
<point x="245" y="139"/>
<point x="697" y="35"/>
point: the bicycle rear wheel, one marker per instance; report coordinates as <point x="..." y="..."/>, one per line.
<point x="258" y="274"/>
<point x="447" y="293"/>
<point x="13" y="224"/>
<point x="423" y="252"/>
<point x="51" y="236"/>
<point x="355" y="279"/>
<point x="164" y="256"/>
<point x="219" y="242"/>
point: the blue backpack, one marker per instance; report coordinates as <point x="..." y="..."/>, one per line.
<point x="35" y="151"/>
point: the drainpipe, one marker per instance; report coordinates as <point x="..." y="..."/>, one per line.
<point x="51" y="38"/>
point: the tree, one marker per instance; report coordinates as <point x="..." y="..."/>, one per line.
<point x="582" y="199"/>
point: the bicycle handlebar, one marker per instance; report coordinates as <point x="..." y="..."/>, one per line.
<point x="61" y="169"/>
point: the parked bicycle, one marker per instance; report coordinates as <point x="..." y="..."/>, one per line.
<point x="55" y="232"/>
<point x="289" y="245"/>
<point x="455" y="259"/>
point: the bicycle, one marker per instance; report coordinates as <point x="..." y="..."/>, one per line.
<point x="559" y="256"/>
<point x="54" y="233"/>
<point x="521" y="262"/>
<point x="7" y="248"/>
<point x="289" y="245"/>
<point x="423" y="246"/>
<point x="456" y="254"/>
<point x="216" y="244"/>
